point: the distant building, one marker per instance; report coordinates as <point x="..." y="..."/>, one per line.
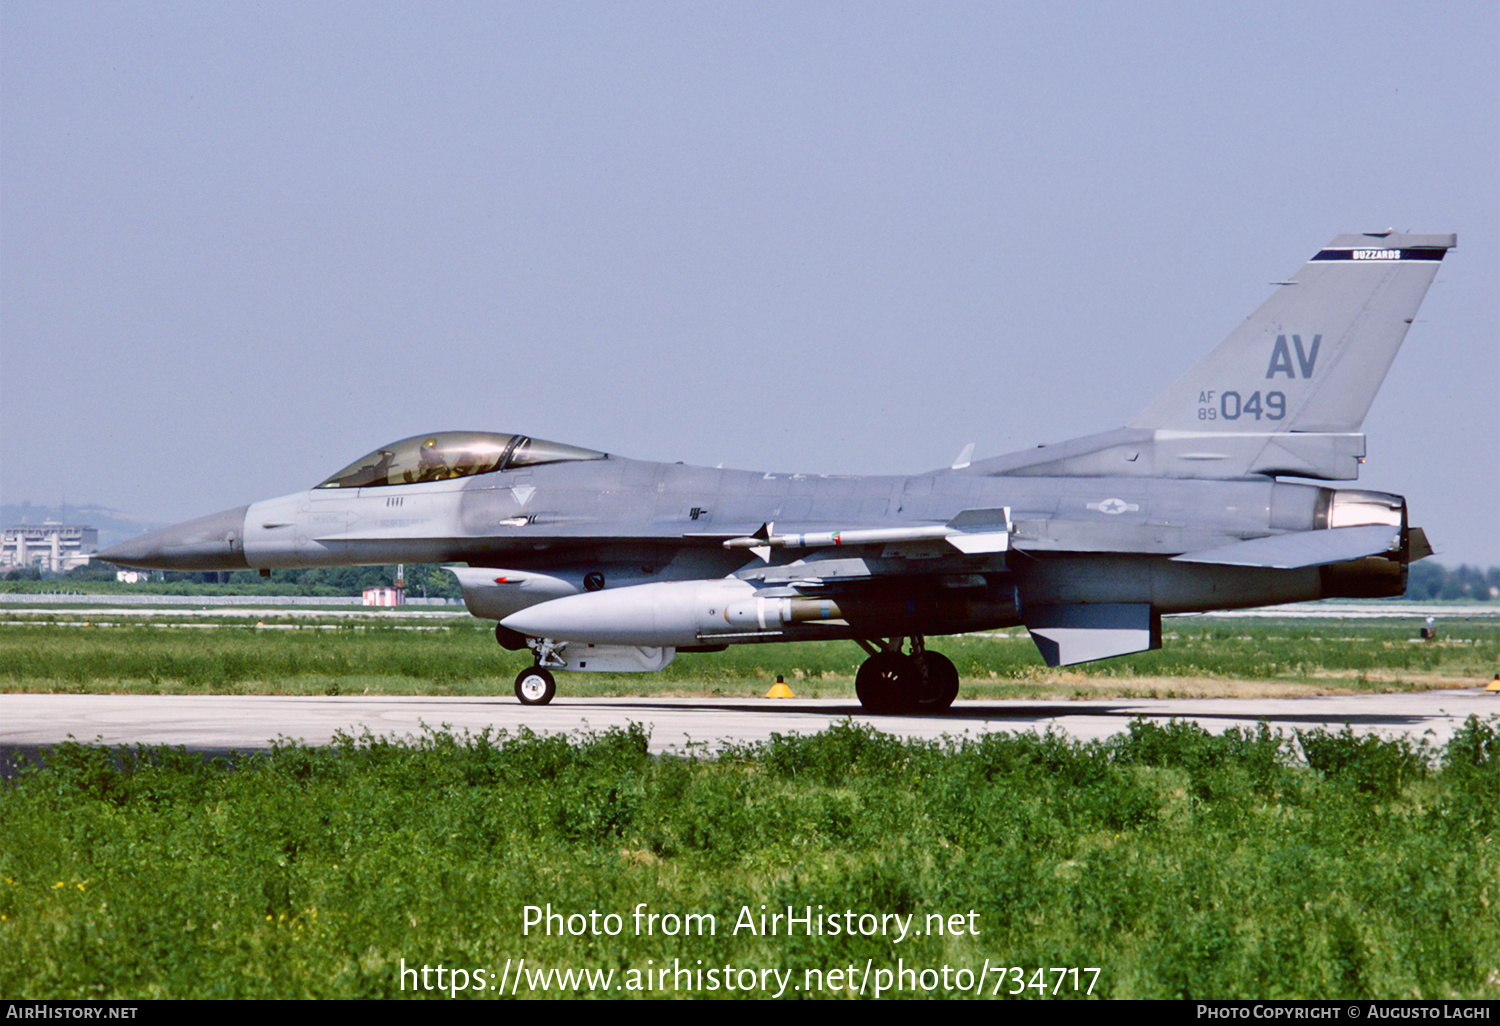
<point x="385" y="596"/>
<point x="50" y="546"/>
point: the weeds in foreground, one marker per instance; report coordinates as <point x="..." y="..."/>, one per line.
<point x="1244" y="864"/>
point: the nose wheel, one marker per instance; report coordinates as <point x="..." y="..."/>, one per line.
<point x="535" y="686"/>
<point x="894" y="682"/>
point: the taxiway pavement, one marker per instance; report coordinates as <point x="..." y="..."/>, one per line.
<point x="222" y="723"/>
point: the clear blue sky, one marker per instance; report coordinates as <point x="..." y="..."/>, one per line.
<point x="241" y="244"/>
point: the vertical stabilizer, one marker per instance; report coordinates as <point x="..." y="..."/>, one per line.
<point x="1286" y="392"/>
<point x="1313" y="356"/>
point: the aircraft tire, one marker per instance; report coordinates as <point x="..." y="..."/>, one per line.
<point x="535" y="686"/>
<point x="942" y="684"/>
<point x="881" y="682"/>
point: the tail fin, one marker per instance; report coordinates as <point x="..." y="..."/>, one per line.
<point x="1286" y="392"/>
<point x="1313" y="356"/>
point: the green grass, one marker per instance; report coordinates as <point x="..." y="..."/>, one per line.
<point x="460" y="657"/>
<point x="1180" y="863"/>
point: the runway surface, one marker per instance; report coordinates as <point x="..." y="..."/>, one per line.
<point x="221" y="723"/>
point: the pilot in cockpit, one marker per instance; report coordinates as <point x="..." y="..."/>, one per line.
<point x="431" y="465"/>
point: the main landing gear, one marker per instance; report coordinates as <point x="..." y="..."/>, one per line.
<point x="892" y="682"/>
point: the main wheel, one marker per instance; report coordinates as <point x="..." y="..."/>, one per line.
<point x="941" y="686"/>
<point x="881" y="682"/>
<point x="535" y="686"/>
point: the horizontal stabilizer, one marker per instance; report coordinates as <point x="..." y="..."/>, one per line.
<point x="1082" y="633"/>
<point x="1303" y="548"/>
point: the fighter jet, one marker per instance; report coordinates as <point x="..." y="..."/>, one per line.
<point x="1206" y="500"/>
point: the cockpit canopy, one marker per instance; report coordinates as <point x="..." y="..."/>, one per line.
<point x="446" y="454"/>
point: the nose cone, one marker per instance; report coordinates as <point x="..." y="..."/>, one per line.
<point x="214" y="542"/>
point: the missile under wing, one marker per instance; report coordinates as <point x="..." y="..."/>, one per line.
<point x="1211" y="498"/>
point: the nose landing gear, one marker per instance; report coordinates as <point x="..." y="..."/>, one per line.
<point x="892" y="682"/>
<point x="535" y="685"/>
